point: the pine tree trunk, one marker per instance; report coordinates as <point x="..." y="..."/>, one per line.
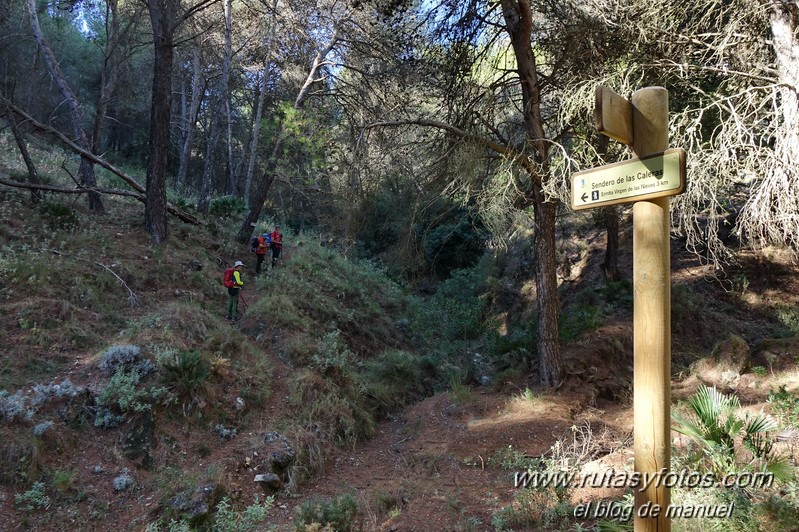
<point x="207" y="183"/>
<point x="233" y="186"/>
<point x="221" y="105"/>
<point x="518" y="21"/>
<point x="162" y="17"/>
<point x="256" y="131"/>
<point x="547" y="299"/>
<point x="190" y="118"/>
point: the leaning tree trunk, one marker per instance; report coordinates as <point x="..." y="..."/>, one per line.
<point x="518" y="21"/>
<point x="33" y="176"/>
<point x="86" y="171"/>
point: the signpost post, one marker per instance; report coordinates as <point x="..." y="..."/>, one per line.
<point x="648" y="181"/>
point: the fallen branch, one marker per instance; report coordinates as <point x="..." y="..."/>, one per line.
<point x="133" y="299"/>
<point x="100" y="161"/>
<point x="64" y="190"/>
<point x="80" y="189"/>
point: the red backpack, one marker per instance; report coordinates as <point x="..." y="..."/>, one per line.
<point x="227" y="280"/>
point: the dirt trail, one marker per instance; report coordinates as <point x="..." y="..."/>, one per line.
<point x="435" y="466"/>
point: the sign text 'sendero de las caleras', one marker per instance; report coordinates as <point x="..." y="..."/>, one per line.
<point x="654" y="176"/>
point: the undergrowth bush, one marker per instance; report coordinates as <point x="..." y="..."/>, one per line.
<point x="187" y="376"/>
<point x="338" y="513"/>
<point x="123" y="394"/>
<point x="324" y="290"/>
<point x="33" y="499"/>
<point x="715" y="426"/>
<point x="127" y="358"/>
<point x="785" y="406"/>
<point x="334" y="406"/>
<point x="394" y="378"/>
<point x="123" y="481"/>
<point x="226" y="518"/>
<point x="226" y="206"/>
<point x="58" y="216"/>
<point x="14" y="407"/>
<point x="22" y="406"/>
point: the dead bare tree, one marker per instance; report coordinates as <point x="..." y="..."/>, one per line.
<point x="733" y="73"/>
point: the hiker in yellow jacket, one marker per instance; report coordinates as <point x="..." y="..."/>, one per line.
<point x="233" y="282"/>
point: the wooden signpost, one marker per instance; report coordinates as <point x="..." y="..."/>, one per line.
<point x="642" y="123"/>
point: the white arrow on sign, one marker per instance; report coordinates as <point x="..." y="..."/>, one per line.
<point x="654" y="176"/>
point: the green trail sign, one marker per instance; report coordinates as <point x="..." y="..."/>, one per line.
<point x="654" y="176"/>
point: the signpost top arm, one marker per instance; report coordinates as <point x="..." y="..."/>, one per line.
<point x="613" y="115"/>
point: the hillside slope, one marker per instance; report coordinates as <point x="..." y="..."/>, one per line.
<point x="128" y="401"/>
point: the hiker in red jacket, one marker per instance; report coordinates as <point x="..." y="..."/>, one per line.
<point x="277" y="243"/>
<point x="260" y="251"/>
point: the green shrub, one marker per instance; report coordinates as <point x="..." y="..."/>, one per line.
<point x="248" y="520"/>
<point x="395" y="377"/>
<point x="187" y="376"/>
<point x="122" y="394"/>
<point x="332" y="356"/>
<point x="33" y="499"/>
<point x="64" y="480"/>
<point x="454" y="245"/>
<point x="460" y="393"/>
<point x="226" y="206"/>
<point x="455" y="314"/>
<point x="181" y="202"/>
<point x="785" y="406"/>
<point x="578" y="321"/>
<point x="58" y="215"/>
<point x="334" y="406"/>
<point x="789" y="318"/>
<point x="715" y="427"/>
<point x="339" y="513"/>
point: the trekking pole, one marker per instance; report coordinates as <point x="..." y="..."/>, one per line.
<point x="241" y="296"/>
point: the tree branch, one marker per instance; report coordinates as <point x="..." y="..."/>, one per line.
<point x="178" y="213"/>
<point x="512" y="154"/>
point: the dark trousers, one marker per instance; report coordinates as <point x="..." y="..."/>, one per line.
<point x="259" y="260"/>
<point x="233" y="303"/>
<point x="275" y="255"/>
